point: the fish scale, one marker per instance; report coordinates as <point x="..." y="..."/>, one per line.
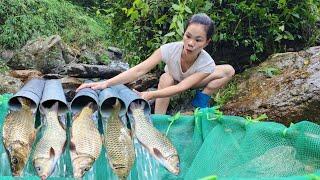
<point x="19" y="134"/>
<point x="51" y="145"/>
<point x="149" y="136"/>
<point x="54" y="136"/>
<point x="158" y="145"/>
<point x="86" y="137"/>
<point x="86" y="141"/>
<point x="17" y="127"/>
<point x="119" y="144"/>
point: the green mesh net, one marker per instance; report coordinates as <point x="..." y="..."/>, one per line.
<point x="211" y="146"/>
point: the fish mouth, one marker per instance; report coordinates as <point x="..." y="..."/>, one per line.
<point x="16" y="173"/>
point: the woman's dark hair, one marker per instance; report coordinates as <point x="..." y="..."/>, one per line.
<point x="205" y="20"/>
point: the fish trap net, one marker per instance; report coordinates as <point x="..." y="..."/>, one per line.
<point x="211" y="146"/>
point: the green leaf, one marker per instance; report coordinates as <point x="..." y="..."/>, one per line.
<point x="281" y="28"/>
<point x="188" y="10"/>
<point x="180" y="27"/>
<point x="279" y="37"/>
<point x="253" y="57"/>
<point x="175" y="7"/>
<point x="295" y="15"/>
<point x="289" y="36"/>
<point x="170" y="34"/>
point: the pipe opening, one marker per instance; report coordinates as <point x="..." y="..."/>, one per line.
<point x="107" y="106"/>
<point x="62" y="107"/>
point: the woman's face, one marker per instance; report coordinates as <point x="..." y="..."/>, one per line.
<point x="195" y="39"/>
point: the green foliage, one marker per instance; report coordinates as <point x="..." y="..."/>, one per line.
<point x="259" y="118"/>
<point x="225" y="94"/>
<point x="3" y="67"/>
<point x="24" y="20"/>
<point x="105" y="58"/>
<point x="264" y="27"/>
<point x="270" y="71"/>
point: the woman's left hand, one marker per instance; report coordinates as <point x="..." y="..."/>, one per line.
<point x="146" y="95"/>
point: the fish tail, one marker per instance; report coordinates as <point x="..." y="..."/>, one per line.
<point x="117" y="105"/>
<point x="137" y="105"/>
<point x="53" y="108"/>
<point x="25" y="102"/>
<point x="92" y="106"/>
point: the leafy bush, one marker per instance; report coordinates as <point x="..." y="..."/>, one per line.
<point x="22" y="20"/>
<point x="260" y="27"/>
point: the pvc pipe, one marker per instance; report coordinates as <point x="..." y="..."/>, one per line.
<point x="107" y="98"/>
<point x="32" y="90"/>
<point x="83" y="97"/>
<point x="52" y="93"/>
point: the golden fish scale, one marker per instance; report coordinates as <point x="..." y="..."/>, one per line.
<point x="54" y="136"/>
<point x="86" y="136"/>
<point x="149" y="136"/>
<point x="119" y="144"/>
<point x="19" y="126"/>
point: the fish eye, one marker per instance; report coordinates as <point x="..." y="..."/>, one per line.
<point x="86" y="169"/>
<point x="15" y="160"/>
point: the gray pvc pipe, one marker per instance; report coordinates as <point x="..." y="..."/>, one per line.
<point x="32" y="90"/>
<point x="83" y="97"/>
<point x="52" y="93"/>
<point x="107" y="98"/>
<point x="128" y="96"/>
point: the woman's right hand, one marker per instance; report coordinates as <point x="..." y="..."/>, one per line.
<point x="93" y="85"/>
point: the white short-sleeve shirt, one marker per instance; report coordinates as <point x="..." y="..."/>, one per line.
<point x="171" y="55"/>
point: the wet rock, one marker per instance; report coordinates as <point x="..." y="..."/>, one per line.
<point x="52" y="76"/>
<point x="88" y="57"/>
<point x="286" y="87"/>
<point x="9" y="84"/>
<point x="25" y="75"/>
<point x="145" y="82"/>
<point x="115" y="53"/>
<point x="96" y="71"/>
<point x="43" y="54"/>
<point x="71" y="83"/>
<point x="6" y="55"/>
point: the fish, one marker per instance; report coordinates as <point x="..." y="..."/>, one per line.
<point x="18" y="135"/>
<point x="119" y="144"/>
<point x="156" y="143"/>
<point x="51" y="145"/>
<point x="86" y="141"/>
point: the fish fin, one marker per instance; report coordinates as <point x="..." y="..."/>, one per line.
<point x="63" y="125"/>
<point x="51" y="153"/>
<point x="158" y="153"/>
<point x="137" y="105"/>
<point x="72" y="146"/>
<point x="92" y="106"/>
<point x="55" y="107"/>
<point x="76" y="115"/>
<point x="32" y="136"/>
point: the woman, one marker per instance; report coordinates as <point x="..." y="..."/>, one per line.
<point x="188" y="65"/>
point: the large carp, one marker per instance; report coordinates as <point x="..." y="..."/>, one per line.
<point x="119" y="144"/>
<point x="18" y="135"/>
<point x="154" y="141"/>
<point x="86" y="141"/>
<point x="51" y="145"/>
